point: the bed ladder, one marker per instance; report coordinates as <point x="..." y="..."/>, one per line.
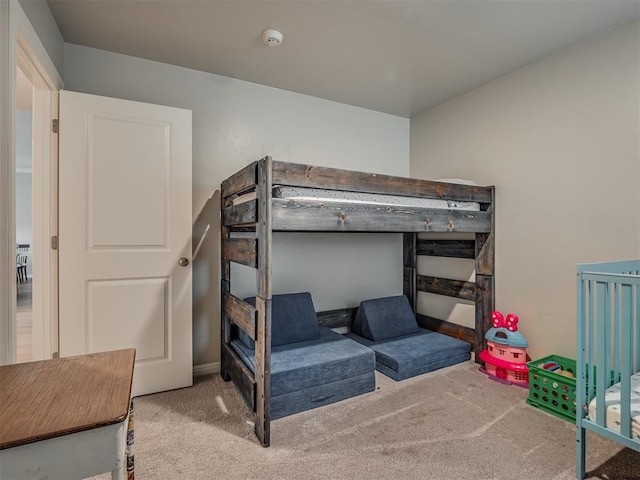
<point x="255" y="388"/>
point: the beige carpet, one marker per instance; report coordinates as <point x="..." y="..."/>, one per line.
<point x="455" y="423"/>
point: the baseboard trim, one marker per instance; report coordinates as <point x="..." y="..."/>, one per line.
<point x="206" y="369"/>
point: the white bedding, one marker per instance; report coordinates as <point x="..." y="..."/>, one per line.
<point x="335" y="196"/>
<point x="328" y="196"/>
<point x="612" y="400"/>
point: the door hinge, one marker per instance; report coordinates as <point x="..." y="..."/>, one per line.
<point x="54" y="242"/>
<point x="54" y="125"/>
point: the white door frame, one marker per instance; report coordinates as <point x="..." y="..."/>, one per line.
<point x="8" y="45"/>
<point x="22" y="47"/>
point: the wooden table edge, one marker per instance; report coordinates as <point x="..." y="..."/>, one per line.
<point x="118" y="419"/>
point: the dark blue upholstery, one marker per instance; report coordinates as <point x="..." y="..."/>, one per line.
<point x="429" y="367"/>
<point x="384" y="318"/>
<point x="293" y="319"/>
<point x="415" y="354"/>
<point x="313" y="397"/>
<point x="315" y="372"/>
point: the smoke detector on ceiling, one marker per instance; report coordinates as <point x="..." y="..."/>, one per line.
<point x="272" y="38"/>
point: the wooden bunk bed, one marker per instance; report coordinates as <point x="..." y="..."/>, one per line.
<point x="265" y="214"/>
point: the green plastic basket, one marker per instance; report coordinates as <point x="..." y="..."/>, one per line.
<point x="550" y="391"/>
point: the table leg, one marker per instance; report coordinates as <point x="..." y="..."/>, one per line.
<point x="119" y="474"/>
<point x="129" y="449"/>
<point x="125" y="472"/>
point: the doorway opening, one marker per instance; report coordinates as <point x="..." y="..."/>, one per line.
<point x="24" y="218"/>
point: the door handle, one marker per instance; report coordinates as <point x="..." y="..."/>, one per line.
<point x="183" y="262"/>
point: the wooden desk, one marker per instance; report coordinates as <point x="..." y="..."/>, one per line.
<point x="65" y="418"/>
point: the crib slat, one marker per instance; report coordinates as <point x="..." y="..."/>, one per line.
<point x="612" y="324"/>
<point x="617" y="325"/>
<point x="591" y="331"/>
<point x="582" y="289"/>
<point x="626" y="352"/>
<point x="636" y="289"/>
<point x="601" y="345"/>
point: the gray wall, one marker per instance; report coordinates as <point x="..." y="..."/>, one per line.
<point x="560" y="140"/>
<point x="42" y="21"/>
<point x="235" y="123"/>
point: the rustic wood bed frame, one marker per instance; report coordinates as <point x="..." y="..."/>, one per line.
<point x="265" y="215"/>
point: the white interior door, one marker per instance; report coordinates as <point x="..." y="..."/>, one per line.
<point x="124" y="224"/>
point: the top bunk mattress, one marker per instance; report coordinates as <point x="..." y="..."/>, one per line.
<point x="612" y="401"/>
<point x="325" y="196"/>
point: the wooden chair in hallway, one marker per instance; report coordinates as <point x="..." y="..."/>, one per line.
<point x="21" y="261"/>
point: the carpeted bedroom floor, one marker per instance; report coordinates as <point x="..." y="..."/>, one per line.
<point x="454" y="424"/>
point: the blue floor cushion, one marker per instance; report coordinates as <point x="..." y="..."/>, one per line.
<point x="315" y="372"/>
<point x="388" y="326"/>
<point x="384" y="318"/>
<point x="417" y="353"/>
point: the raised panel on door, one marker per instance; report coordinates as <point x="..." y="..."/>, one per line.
<point x="118" y="172"/>
<point x="130" y="313"/>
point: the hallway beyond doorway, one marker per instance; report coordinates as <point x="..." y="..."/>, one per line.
<point x="24" y="322"/>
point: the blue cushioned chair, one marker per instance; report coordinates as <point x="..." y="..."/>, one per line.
<point x="403" y="349"/>
<point x="293" y="319"/>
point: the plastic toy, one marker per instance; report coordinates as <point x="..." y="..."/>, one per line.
<point x="551" y="366"/>
<point x="555" y="368"/>
<point x="506" y="355"/>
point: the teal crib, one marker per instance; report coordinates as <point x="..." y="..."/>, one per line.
<point x="608" y="357"/>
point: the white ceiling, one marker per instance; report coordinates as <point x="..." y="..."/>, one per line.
<point x="399" y="57"/>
